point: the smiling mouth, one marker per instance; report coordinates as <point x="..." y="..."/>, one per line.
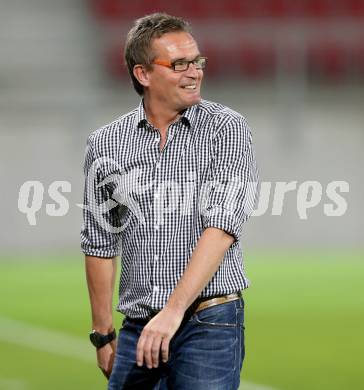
<point x="192" y="87"/>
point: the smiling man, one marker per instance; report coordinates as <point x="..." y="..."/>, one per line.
<point x="181" y="255"/>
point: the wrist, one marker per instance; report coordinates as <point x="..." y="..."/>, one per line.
<point x="99" y="340"/>
<point x="102" y="321"/>
<point x="178" y="307"/>
<point x="103" y="328"/>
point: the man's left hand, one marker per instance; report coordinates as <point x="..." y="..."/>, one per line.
<point x="156" y="336"/>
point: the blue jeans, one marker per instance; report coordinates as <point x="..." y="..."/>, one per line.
<point x="206" y="353"/>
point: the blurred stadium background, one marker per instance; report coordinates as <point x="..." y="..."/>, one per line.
<point x="295" y="69"/>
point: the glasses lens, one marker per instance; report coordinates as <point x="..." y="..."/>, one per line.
<point x="181" y="65"/>
<point x="200" y="63"/>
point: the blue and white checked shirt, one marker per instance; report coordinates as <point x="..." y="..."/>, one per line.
<point x="151" y="206"/>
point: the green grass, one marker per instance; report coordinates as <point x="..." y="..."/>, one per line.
<point x="304" y="321"/>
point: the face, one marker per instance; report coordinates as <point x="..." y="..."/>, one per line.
<point x="174" y="91"/>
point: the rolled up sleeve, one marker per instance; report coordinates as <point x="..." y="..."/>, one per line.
<point x="230" y="195"/>
<point x="100" y="232"/>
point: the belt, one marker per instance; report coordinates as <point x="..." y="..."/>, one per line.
<point x="198" y="305"/>
<point x="213" y="301"/>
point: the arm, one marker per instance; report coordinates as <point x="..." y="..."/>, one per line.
<point x="205" y="260"/>
<point x="100" y="246"/>
<point x="100" y="275"/>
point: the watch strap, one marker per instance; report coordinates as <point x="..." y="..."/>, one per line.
<point x="99" y="340"/>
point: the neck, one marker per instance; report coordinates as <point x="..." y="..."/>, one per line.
<point x="159" y="116"/>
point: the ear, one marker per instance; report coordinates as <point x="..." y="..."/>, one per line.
<point x="141" y="74"/>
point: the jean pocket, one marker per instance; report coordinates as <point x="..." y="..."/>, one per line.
<point x="223" y="315"/>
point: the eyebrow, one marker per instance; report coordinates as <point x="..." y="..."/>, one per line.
<point x="185" y="59"/>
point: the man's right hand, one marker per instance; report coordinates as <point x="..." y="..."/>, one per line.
<point x="105" y="358"/>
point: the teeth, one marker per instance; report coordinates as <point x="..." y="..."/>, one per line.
<point x="190" y="86"/>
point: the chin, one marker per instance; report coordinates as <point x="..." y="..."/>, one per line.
<point x="188" y="101"/>
<point x="194" y="100"/>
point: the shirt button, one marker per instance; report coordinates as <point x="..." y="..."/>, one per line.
<point x="155" y="288"/>
<point x="156" y="195"/>
<point x="156" y="257"/>
<point x="158" y="165"/>
<point x="156" y="227"/>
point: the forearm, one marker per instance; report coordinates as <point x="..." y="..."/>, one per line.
<point x="205" y="261"/>
<point x="100" y="275"/>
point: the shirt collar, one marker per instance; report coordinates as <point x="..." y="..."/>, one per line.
<point x="141" y="118"/>
<point x="188" y="117"/>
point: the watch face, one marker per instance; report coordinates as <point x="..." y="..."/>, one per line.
<point x="96" y="339"/>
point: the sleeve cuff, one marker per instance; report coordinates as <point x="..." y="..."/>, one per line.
<point x="106" y="253"/>
<point x="223" y="222"/>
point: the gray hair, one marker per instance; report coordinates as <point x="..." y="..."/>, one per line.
<point x="139" y="39"/>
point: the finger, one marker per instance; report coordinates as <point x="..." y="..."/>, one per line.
<point x="111" y="364"/>
<point x="105" y="373"/>
<point x="155" y="349"/>
<point x="165" y="349"/>
<point x="106" y="370"/>
<point x="147" y="351"/>
<point x="140" y="350"/>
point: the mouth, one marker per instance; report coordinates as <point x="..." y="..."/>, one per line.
<point x="190" y="86"/>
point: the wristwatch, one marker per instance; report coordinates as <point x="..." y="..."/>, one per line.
<point x="99" y="339"/>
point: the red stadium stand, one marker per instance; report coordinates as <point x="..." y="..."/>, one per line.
<point x="358" y="58"/>
<point x="217" y="60"/>
<point x="114" y="62"/>
<point x="204" y="9"/>
<point x="255" y="60"/>
<point x="355" y="8"/>
<point x="319" y="8"/>
<point x="280" y="8"/>
<point x="329" y="60"/>
<point x="239" y="38"/>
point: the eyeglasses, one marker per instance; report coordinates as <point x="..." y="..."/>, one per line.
<point x="182" y="65"/>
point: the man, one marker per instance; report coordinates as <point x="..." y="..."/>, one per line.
<point x="169" y="186"/>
